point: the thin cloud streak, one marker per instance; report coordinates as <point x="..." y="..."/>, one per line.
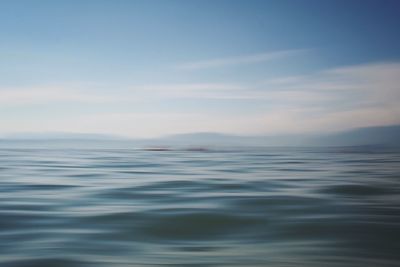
<point x="239" y="60"/>
<point x="46" y="95"/>
<point x="336" y="99"/>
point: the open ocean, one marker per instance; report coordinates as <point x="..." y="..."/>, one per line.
<point x="272" y="207"/>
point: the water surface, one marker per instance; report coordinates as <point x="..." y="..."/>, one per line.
<point x="277" y="207"/>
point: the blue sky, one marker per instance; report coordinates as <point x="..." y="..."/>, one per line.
<point x="150" y="68"/>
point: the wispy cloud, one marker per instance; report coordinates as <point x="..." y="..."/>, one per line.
<point x="146" y="124"/>
<point x="49" y="94"/>
<point x="89" y="94"/>
<point x="370" y="84"/>
<point x="239" y="60"/>
<point x="335" y="99"/>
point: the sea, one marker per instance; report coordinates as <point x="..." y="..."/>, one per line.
<point x="214" y="207"/>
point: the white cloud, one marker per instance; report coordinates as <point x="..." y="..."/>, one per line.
<point x="138" y="124"/>
<point x="335" y="99"/>
<point x="239" y="60"/>
<point x="373" y="84"/>
<point x="89" y="94"/>
<point x="47" y="94"/>
<point x="185" y="90"/>
<point x="341" y="98"/>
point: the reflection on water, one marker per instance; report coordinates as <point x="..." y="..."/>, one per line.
<point x="264" y="207"/>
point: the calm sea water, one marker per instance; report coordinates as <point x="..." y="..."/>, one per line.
<point x="277" y="207"/>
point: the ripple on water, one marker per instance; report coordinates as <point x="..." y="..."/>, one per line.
<point x="126" y="208"/>
<point x="358" y="190"/>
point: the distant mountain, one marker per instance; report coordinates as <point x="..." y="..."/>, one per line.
<point x="207" y="139"/>
<point x="218" y="139"/>
<point x="380" y="135"/>
<point x="60" y="136"/>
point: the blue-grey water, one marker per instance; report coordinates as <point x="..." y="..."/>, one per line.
<point x="276" y="207"/>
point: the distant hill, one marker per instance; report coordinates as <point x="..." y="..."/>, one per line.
<point x="380" y="135"/>
<point x="218" y="139"/>
<point x="60" y="136"/>
<point x="64" y="140"/>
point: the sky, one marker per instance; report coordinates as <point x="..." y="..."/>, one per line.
<point x="149" y="68"/>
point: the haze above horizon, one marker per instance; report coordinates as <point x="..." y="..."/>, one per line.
<point x="152" y="68"/>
